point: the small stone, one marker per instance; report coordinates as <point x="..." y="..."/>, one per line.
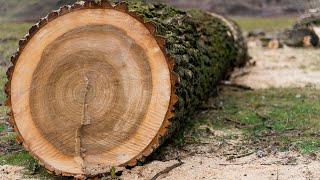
<point x="260" y="153"/>
<point x="274" y="44"/>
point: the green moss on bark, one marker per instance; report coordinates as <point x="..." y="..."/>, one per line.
<point x="202" y="46"/>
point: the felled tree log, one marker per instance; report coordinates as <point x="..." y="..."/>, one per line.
<point x="306" y="31"/>
<point x="95" y="86"/>
<point x="299" y="37"/>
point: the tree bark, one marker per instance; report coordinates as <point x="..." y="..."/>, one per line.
<point x="205" y="48"/>
<point x="96" y="85"/>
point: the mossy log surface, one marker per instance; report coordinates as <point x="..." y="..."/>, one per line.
<point x="205" y="48"/>
<point x="195" y="49"/>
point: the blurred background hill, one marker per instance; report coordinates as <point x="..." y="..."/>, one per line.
<point x="30" y="10"/>
<point x="245" y="7"/>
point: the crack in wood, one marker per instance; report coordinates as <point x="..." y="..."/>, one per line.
<point x="86" y="120"/>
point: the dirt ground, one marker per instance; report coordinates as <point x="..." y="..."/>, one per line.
<point x="268" y="69"/>
<point x="11" y="172"/>
<point x="251" y="167"/>
<point x="276" y="68"/>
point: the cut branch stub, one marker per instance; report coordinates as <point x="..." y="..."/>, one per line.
<point x="90" y="90"/>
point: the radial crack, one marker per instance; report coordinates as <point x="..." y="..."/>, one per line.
<point x="86" y="118"/>
<point x="85" y="121"/>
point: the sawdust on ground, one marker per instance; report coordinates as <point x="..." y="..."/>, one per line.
<point x="276" y="68"/>
<point x="11" y="172"/>
<point x="280" y="166"/>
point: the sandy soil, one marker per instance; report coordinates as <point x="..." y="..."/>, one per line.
<point x="280" y="166"/>
<point x="285" y="67"/>
<point x="11" y="172"/>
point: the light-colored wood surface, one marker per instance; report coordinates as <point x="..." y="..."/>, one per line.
<point x="90" y="90"/>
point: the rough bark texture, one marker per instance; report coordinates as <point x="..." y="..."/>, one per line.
<point x="203" y="47"/>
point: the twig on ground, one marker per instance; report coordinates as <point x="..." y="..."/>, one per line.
<point x="240" y="156"/>
<point x="239" y="86"/>
<point x="266" y="164"/>
<point x="233" y="164"/>
<point x="241" y="74"/>
<point x="167" y="170"/>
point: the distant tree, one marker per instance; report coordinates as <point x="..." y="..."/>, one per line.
<point x="3" y="7"/>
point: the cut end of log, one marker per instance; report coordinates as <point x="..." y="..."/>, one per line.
<point x="91" y="89"/>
